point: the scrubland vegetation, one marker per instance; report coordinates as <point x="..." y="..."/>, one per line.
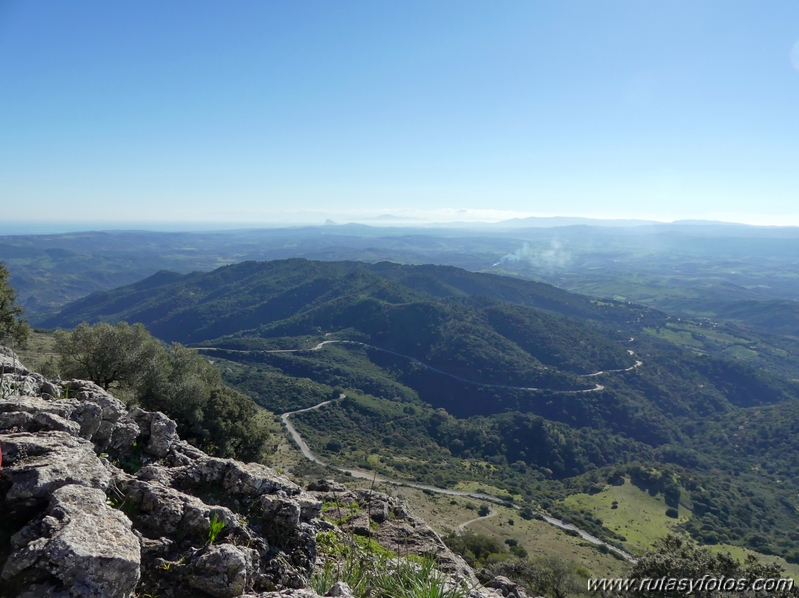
<point x="690" y="443"/>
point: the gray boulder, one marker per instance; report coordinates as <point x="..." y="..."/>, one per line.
<point x="36" y="465"/>
<point x="340" y="588"/>
<point x="159" y="431"/>
<point x="506" y="587"/>
<point x="86" y="414"/>
<point x="326" y="486"/>
<point x="10" y="363"/>
<point x="83" y="390"/>
<point x="223" y="571"/>
<point x="87" y="546"/>
<point x="26" y="385"/>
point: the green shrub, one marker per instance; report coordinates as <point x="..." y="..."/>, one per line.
<point x="12" y="326"/>
<point x="176" y="381"/>
<point x="372" y="571"/>
<point x="477" y="549"/>
<point x="518" y="551"/>
<point x="675" y="557"/>
<point x="120" y="355"/>
<point x="215" y="527"/>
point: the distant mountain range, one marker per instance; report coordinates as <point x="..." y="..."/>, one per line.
<point x="687" y="268"/>
<point x="551" y="221"/>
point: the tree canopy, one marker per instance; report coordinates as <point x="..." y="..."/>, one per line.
<point x="174" y="380"/>
<point x="107" y="354"/>
<point x="675" y="558"/>
<point x="210" y="414"/>
<point x="11" y="323"/>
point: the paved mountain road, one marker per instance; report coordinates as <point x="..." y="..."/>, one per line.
<point x="462" y="527"/>
<point x="366" y="475"/>
<point x="318" y="347"/>
<point x="357" y="473"/>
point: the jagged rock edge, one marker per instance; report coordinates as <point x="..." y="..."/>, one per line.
<point x="88" y="528"/>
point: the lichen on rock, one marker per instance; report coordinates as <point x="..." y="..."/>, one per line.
<point x="102" y="501"/>
<point x="99" y="500"/>
<point x="78" y="543"/>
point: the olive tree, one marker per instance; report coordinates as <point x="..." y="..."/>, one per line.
<point x="209" y="413"/>
<point x="123" y="354"/>
<point x="677" y="558"/>
<point x="175" y="380"/>
<point x="12" y="326"/>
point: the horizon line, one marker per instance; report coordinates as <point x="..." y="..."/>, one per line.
<point x="39" y="227"/>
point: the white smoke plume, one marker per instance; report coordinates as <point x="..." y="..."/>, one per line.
<point x="553" y="258"/>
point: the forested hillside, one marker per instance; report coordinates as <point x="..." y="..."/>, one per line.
<point x="269" y="291"/>
<point x="456" y="378"/>
<point x="463" y="332"/>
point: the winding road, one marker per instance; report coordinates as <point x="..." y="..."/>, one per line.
<point x="366" y="475"/>
<point x="462" y="527"/>
<point x="638" y="364"/>
<point x="357" y="473"/>
<point x="318" y="347"/>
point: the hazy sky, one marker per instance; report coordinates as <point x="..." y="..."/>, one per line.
<point x="277" y="111"/>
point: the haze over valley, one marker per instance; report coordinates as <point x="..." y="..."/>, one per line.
<point x="399" y="300"/>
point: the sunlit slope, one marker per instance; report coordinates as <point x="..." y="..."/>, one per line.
<point x="462" y="331"/>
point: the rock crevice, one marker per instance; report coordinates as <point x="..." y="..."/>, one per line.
<point x="99" y="500"/>
<point x="102" y="501"/>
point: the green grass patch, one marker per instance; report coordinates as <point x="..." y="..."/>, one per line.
<point x="483" y="488"/>
<point x="741" y="553"/>
<point x="741" y="352"/>
<point x="682" y="338"/>
<point x="638" y="516"/>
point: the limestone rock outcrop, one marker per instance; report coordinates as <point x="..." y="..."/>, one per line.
<point x="78" y="543"/>
<point x="101" y="501"/>
<point x="387" y="520"/>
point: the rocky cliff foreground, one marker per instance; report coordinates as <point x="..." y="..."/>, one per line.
<point x="101" y="501"/>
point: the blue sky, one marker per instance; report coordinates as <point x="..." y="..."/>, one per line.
<point x="263" y="112"/>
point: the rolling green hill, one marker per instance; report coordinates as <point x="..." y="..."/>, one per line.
<point x="440" y="384"/>
<point x="477" y="328"/>
<point x="464" y="327"/>
<point x="777" y="316"/>
<point x="249" y="294"/>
